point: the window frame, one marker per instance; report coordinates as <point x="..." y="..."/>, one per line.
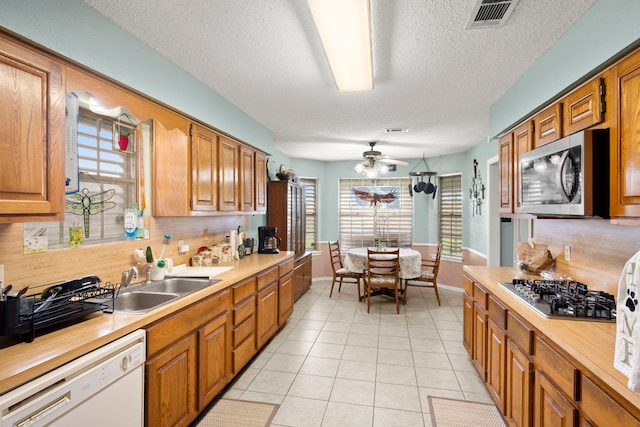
<point x="450" y="211"/>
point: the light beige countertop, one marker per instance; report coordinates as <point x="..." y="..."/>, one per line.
<point x="590" y="343"/>
<point x="23" y="362"/>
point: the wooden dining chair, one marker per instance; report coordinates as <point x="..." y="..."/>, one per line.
<point x="428" y="276"/>
<point x="340" y="273"/>
<point x="382" y="273"/>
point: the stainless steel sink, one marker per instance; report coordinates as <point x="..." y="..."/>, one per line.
<point x="179" y="285"/>
<point x="141" y="298"/>
<point x="141" y="302"/>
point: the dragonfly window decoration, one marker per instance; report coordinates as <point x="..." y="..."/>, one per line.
<point x="86" y="205"/>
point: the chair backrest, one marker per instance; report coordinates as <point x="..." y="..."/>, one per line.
<point x="393" y="243"/>
<point x="334" y="254"/>
<point x="383" y="264"/>
<point x="433" y="264"/>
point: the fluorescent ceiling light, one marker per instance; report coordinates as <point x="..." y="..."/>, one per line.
<point x="345" y="31"/>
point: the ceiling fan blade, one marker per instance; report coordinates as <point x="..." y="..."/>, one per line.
<point x="394" y="162"/>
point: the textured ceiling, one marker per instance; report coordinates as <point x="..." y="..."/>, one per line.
<point x="430" y="74"/>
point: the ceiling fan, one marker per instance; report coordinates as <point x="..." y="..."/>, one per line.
<point x="372" y="156"/>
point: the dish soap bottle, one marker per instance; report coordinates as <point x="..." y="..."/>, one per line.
<point x="140" y="233"/>
<point x="130" y="223"/>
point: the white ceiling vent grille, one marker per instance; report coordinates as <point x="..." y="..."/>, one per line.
<point x="491" y="13"/>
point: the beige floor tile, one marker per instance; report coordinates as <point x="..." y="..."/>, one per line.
<point x="455" y="347"/>
<point x="293" y="347"/>
<point x="431" y="360"/>
<point x="394" y="330"/>
<point x="394" y="396"/>
<point x="461" y="362"/>
<point x="353" y="391"/>
<point x="311" y="387"/>
<point x="384" y="417"/>
<point x="332" y="337"/>
<point x="243" y="381"/>
<point x="356" y="370"/>
<point x="300" y="412"/>
<point x="337" y="326"/>
<point x="398" y="357"/>
<point x="425" y="392"/>
<point x="316" y="315"/>
<point x="344" y="414"/>
<point x="301" y="334"/>
<point x="332" y="351"/>
<point x="320" y="366"/>
<point x="437" y="378"/>
<point x="273" y="382"/>
<point x="395" y="374"/>
<point x="470" y="382"/>
<point x="284" y="363"/>
<point x="365" y="328"/>
<point x="256" y="396"/>
<point x="315" y="325"/>
<point x="428" y="345"/>
<point x="362" y="340"/>
<point x="394" y="342"/>
<point x="362" y="354"/>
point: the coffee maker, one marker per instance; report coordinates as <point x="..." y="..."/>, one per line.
<point x="268" y="242"/>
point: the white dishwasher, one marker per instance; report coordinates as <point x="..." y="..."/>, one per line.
<point x="102" y="388"/>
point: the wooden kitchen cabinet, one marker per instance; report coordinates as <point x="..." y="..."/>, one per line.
<point x="267" y="306"/>
<point x="32" y="135"/>
<point x="286" y="211"/>
<point x="585" y="106"/>
<point x="624" y="155"/>
<point x="214" y="358"/>
<point x="519" y="387"/>
<point x="480" y="317"/>
<point x="260" y="182"/>
<point x="550" y="408"/>
<point x="505" y="177"/>
<point x="302" y="275"/>
<point x="188" y="360"/>
<point x="547" y="125"/>
<point x="170" y="171"/>
<point x="228" y="171"/>
<point x="522" y="143"/>
<point x="244" y="323"/>
<point x="285" y="292"/>
<point x="170" y="390"/>
<point x="600" y="409"/>
<point x="496" y="352"/>
<point x="467" y="314"/>
<point x="204" y="169"/>
<point x="247" y="179"/>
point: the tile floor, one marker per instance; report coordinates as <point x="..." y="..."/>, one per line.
<point x="334" y="364"/>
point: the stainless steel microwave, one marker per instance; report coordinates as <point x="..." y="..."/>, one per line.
<point x="569" y="176"/>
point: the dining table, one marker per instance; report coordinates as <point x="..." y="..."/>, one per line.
<point x="410" y="261"/>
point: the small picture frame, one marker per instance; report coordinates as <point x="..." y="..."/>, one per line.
<point x="124" y="137"/>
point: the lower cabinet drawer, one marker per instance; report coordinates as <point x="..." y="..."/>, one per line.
<point x="243" y="353"/>
<point x="600" y="408"/>
<point x="242" y="331"/>
<point x="555" y="366"/>
<point x="243" y="311"/>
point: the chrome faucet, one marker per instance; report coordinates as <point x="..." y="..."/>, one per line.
<point x="136" y="271"/>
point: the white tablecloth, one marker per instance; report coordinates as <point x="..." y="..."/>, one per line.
<point x="410" y="262"/>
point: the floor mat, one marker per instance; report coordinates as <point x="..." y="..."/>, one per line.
<point x="462" y="413"/>
<point x="238" y="413"/>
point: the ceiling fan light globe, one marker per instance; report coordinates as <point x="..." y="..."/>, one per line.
<point x="359" y="168"/>
<point x="384" y="168"/>
<point x="372" y="173"/>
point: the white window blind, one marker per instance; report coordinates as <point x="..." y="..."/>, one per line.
<point x="451" y="214"/>
<point x="369" y="211"/>
<point x="310" y="195"/>
<point x="101" y="169"/>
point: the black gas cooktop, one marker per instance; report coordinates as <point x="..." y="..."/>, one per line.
<point x="564" y="299"/>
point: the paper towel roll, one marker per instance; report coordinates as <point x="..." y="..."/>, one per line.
<point x="233" y="241"/>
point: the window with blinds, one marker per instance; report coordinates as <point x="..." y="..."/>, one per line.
<point x="369" y="211"/>
<point x="451" y="214"/>
<point x="310" y="198"/>
<point x="101" y="169"/>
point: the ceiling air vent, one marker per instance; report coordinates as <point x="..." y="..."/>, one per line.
<point x="491" y="13"/>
